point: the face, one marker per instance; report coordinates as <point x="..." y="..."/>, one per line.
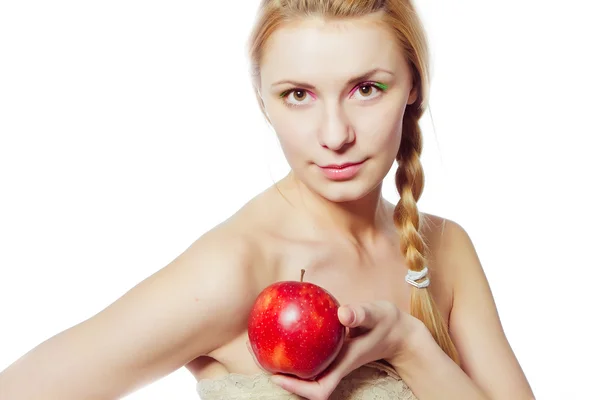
<point x="335" y="93"/>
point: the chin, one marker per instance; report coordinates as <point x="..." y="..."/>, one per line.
<point x="337" y="195"/>
<point x="344" y="191"/>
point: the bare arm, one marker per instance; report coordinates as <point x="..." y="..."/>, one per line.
<point x="187" y="309"/>
<point x="490" y="369"/>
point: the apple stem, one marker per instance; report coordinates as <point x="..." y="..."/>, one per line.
<point x="302" y="275"/>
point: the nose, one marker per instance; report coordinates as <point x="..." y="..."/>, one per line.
<point x="336" y="131"/>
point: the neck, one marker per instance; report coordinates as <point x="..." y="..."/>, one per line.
<point x="359" y="221"/>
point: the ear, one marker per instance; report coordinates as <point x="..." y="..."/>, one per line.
<point x="267" y="116"/>
<point x="413" y="95"/>
<point x="262" y="105"/>
<point x="264" y="110"/>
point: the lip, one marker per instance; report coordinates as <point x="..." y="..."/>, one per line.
<point x="341" y="172"/>
<point x="340" y="166"/>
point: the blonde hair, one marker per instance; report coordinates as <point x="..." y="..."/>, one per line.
<point x="401" y="17"/>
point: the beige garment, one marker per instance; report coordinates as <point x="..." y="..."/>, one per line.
<point x="374" y="381"/>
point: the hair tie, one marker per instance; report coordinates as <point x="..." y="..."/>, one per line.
<point x="413" y="276"/>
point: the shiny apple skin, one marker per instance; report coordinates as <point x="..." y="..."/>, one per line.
<point x="294" y="329"/>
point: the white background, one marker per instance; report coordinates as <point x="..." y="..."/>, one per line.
<point x="128" y="129"/>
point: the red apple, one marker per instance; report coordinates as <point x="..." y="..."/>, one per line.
<point x="294" y="329"/>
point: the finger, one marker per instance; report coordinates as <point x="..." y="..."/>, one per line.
<point x="320" y="388"/>
<point x="312" y="390"/>
<point x="350" y="358"/>
<point x="353" y="355"/>
<point x="346" y="317"/>
<point x="325" y="384"/>
<point x="360" y="315"/>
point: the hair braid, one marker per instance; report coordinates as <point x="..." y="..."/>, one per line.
<point x="410" y="183"/>
<point x="402" y="18"/>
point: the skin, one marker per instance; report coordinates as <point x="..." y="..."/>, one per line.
<point x="335" y="123"/>
<point x="340" y="232"/>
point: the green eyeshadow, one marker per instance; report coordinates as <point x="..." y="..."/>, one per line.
<point x="381" y="86"/>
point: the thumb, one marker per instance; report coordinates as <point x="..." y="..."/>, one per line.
<point x="355" y="316"/>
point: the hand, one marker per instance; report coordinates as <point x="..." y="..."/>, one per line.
<point x="377" y="330"/>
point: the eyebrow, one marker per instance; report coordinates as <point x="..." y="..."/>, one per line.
<point x="362" y="77"/>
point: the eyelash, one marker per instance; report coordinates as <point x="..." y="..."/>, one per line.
<point x="377" y="85"/>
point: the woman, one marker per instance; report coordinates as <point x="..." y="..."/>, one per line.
<point x="344" y="84"/>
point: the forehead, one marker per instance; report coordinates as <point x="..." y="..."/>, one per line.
<point x="318" y="50"/>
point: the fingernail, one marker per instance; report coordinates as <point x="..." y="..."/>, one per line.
<point x="352" y="317"/>
<point x="348" y="314"/>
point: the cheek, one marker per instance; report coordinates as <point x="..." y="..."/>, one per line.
<point x="380" y="128"/>
<point x="294" y="131"/>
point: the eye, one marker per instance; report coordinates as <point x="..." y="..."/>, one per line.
<point x="369" y="90"/>
<point x="365" y="90"/>
<point x="296" y="97"/>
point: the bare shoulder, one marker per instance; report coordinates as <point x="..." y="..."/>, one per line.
<point x="449" y="244"/>
<point x="452" y="260"/>
<point x="440" y="236"/>
<point x="447" y="241"/>
<point x="486" y="355"/>
<point x="219" y="268"/>
<point x="453" y="255"/>
<point x="193" y="305"/>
